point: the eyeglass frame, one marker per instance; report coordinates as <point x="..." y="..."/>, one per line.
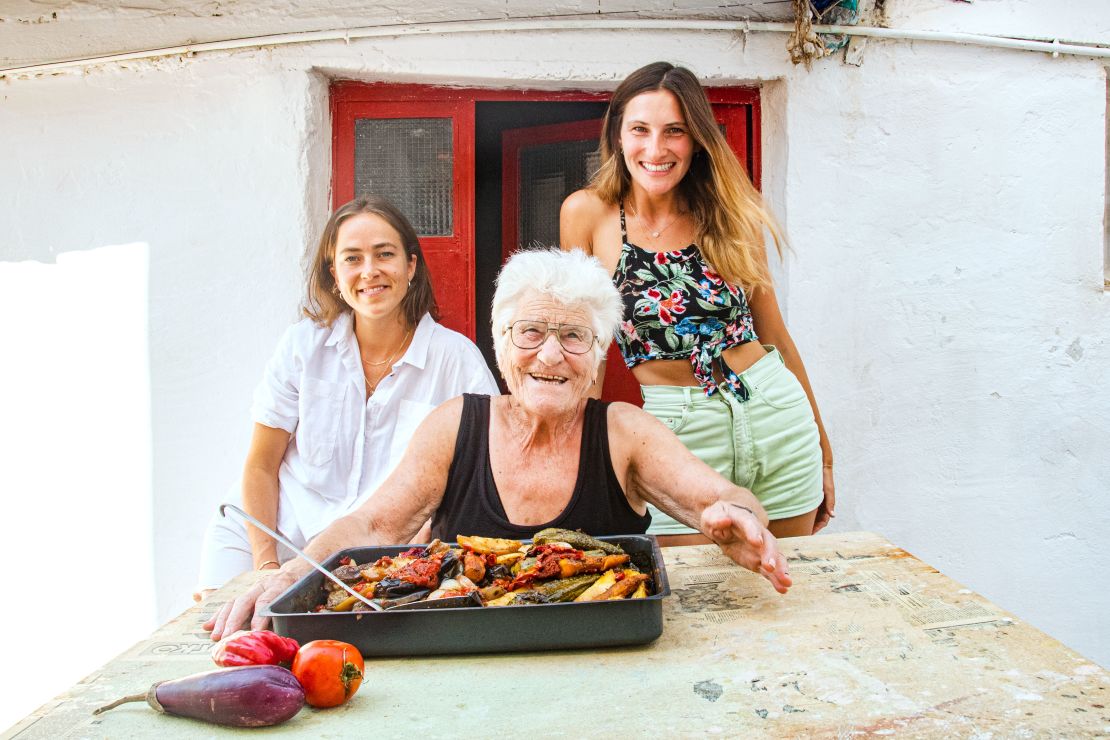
<point x="552" y="328"/>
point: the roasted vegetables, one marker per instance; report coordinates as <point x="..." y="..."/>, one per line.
<point x="247" y="696"/>
<point x="560" y="565"/>
<point x="260" y="647"/>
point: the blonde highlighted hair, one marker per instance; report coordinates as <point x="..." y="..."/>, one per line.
<point x="729" y="215"/>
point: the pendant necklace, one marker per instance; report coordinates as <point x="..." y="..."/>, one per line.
<point x="656" y="232"/>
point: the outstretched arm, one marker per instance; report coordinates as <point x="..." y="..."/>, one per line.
<point x="392" y="515"/>
<point x="656" y="467"/>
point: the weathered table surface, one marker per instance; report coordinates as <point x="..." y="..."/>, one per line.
<point x="870" y="641"/>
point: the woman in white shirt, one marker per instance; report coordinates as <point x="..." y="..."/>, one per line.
<point x="345" y="389"/>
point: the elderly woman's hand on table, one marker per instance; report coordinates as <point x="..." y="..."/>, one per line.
<point x="740" y="535"/>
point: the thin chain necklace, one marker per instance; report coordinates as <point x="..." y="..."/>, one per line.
<point x="656" y="232"/>
<point x="387" y="359"/>
<point x="373" y="385"/>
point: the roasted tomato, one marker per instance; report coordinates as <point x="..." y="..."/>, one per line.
<point x="329" y="670"/>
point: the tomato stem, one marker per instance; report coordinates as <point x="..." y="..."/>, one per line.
<point x="348" y="675"/>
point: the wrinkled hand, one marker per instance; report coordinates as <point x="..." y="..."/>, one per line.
<point x="825" y="511"/>
<point x="743" y="538"/>
<point x="234" y="614"/>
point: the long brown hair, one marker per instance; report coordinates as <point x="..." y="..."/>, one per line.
<point x="322" y="301"/>
<point x="729" y="215"/>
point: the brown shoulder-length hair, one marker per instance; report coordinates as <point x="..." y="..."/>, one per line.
<point x="729" y="215"/>
<point x="323" y="303"/>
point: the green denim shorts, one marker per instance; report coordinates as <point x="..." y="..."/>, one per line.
<point x="768" y="444"/>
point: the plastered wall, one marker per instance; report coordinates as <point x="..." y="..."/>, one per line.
<point x="944" y="203"/>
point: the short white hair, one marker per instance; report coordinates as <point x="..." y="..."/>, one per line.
<point x="574" y="279"/>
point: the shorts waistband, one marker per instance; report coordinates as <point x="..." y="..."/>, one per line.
<point x="763" y="368"/>
<point x="760" y="372"/>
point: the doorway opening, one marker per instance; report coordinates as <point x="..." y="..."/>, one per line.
<point x="562" y="175"/>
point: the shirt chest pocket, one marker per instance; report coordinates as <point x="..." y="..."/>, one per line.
<point x="321" y="409"/>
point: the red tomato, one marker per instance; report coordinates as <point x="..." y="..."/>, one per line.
<point x="329" y="670"/>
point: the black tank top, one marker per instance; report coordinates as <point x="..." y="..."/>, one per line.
<point x="472" y="505"/>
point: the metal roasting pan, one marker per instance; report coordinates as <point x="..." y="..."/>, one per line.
<point x="592" y="624"/>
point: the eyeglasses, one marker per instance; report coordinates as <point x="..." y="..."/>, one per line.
<point x="527" y="334"/>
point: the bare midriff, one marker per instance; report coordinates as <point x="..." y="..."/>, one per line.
<point x="680" y="372"/>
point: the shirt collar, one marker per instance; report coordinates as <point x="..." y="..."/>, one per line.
<point x="341" y="328"/>
<point x="417" y="354"/>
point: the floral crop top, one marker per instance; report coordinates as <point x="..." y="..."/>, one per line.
<point x="676" y="307"/>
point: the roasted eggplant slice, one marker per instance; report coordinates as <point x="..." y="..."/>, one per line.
<point x="390" y="587"/>
<point x="579" y="540"/>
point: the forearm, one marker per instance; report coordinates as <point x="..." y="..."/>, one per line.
<point x="260" y="500"/>
<point x="348" y="531"/>
<point x="684" y="486"/>
<point x="364" y="527"/>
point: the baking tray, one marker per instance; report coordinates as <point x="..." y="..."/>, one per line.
<point x="590" y="624"/>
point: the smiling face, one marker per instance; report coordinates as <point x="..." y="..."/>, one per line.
<point x="656" y="141"/>
<point x="548" y="381"/>
<point x="370" y="267"/>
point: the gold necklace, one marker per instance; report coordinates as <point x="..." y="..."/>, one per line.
<point x="643" y="222"/>
<point x="373" y="385"/>
<point x="387" y="359"/>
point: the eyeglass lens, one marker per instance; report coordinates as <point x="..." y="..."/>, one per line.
<point x="531" y="334"/>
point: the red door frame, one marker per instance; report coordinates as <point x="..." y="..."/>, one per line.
<point x="351" y="100"/>
<point x="453" y="252"/>
<point x="511" y="142"/>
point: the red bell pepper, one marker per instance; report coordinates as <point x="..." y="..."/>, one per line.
<point x="260" y="647"/>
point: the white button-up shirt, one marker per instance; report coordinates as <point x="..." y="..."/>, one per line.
<point x="342" y="446"/>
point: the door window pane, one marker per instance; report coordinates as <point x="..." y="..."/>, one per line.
<point x="548" y="174"/>
<point x="409" y="161"/>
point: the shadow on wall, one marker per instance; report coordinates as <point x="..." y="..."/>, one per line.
<point x="75" y="451"/>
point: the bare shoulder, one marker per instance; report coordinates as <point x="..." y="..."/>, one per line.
<point x="437" y="433"/>
<point x="448" y="413"/>
<point x="632" y="430"/>
<point x="579" y="217"/>
<point x="583" y="204"/>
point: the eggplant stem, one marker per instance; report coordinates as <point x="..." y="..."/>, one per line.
<point x="124" y="700"/>
<point x="150" y="697"/>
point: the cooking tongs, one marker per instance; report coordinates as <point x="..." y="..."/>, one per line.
<point x="300" y="553"/>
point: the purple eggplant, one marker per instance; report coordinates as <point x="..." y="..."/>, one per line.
<point x="246" y="696"/>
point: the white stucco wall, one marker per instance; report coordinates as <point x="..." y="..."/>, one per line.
<point x="945" y="205"/>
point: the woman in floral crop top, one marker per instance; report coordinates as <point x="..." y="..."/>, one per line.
<point x="673" y="217"/>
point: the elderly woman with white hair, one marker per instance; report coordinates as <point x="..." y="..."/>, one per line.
<point x="547" y="455"/>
